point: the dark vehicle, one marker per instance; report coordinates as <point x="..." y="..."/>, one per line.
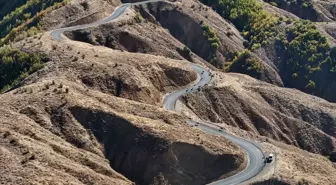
<point x="270" y="158"/>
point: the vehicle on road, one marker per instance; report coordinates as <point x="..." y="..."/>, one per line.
<point x="270" y="158"/>
<point x="221" y="129"/>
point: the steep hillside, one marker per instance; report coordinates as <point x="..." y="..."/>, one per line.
<point x="317" y="11"/>
<point x="297" y="49"/>
<point x="87" y="109"/>
<point x="282" y="114"/>
<point x="84" y="106"/>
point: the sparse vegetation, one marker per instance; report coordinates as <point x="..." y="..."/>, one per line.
<point x="213" y="40"/>
<point x="24" y="20"/>
<point x="310" y="85"/>
<point x="185" y="53"/>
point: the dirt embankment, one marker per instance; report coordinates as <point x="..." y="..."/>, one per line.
<point x="283" y="114"/>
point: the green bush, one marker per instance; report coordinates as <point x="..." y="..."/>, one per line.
<point x="16" y="65"/>
<point x="311" y="85"/>
<point x="138" y="18"/>
<point x="186" y="50"/>
<point x="295" y="76"/>
<point x="245" y="63"/>
<point x="211" y="35"/>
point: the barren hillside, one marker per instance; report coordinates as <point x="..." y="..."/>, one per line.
<point x="87" y="109"/>
<point x="84" y="106"/>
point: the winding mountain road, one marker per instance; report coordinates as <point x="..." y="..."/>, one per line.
<point x="254" y="154"/>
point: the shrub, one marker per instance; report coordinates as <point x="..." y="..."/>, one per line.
<point x="214" y="42"/>
<point x="138" y="18"/>
<point x="215" y="45"/>
<point x="255" y="47"/>
<point x="229" y="33"/>
<point x="295" y="76"/>
<point x="85" y="5"/>
<point x="186" y="50"/>
<point x="310" y="85"/>
<point x="245" y="63"/>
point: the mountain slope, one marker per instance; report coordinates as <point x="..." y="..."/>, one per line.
<point x="91" y="109"/>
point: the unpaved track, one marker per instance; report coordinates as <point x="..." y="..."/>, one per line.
<point x="254" y="154"/>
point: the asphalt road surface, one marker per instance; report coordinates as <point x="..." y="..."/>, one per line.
<point x="255" y="155"/>
<point x="253" y="152"/>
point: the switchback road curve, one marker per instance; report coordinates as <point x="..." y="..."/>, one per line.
<point x="254" y="154"/>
